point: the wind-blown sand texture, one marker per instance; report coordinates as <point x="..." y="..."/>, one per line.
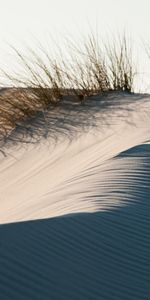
<point x="75" y="203"/>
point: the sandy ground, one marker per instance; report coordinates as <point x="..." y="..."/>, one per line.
<point x="75" y="203"/>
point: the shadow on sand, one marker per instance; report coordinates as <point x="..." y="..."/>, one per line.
<point x="69" y="118"/>
<point x="103" y="255"/>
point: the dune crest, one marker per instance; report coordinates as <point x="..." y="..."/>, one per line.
<point x="82" y="171"/>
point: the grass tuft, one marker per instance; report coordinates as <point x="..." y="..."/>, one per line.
<point x="90" y="69"/>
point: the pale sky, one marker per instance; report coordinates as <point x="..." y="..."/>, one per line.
<point x="20" y="21"/>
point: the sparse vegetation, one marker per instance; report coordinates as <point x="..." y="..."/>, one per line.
<point x="121" y="68"/>
<point x="91" y="69"/>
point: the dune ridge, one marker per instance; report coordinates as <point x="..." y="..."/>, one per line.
<point x="63" y="176"/>
<point x="75" y="204"/>
<point x="101" y="255"/>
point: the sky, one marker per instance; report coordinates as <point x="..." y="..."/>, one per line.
<point x="23" y="21"/>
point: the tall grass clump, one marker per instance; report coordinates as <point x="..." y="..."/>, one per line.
<point x="90" y="68"/>
<point x="121" y="68"/>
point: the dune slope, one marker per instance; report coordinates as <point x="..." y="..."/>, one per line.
<point x="75" y="205"/>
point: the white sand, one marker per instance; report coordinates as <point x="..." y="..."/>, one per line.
<point x="92" y="171"/>
<point x="78" y="174"/>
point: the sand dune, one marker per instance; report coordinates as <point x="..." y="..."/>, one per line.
<point x="83" y="194"/>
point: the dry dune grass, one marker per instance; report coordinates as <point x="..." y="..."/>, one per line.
<point x="92" y="69"/>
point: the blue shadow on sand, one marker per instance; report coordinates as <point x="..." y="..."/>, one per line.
<point x="97" y="256"/>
